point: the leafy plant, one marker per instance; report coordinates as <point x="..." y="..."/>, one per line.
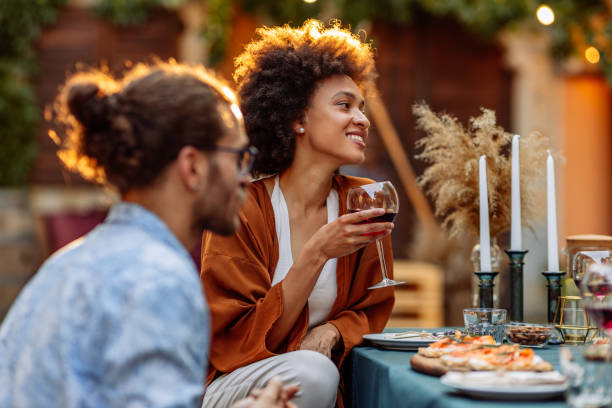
<point x="126" y="12"/>
<point x="19" y="116"/>
<point x="20" y="24"/>
<point x="578" y="24"/>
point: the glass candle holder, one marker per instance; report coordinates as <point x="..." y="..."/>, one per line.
<point x="573" y="321"/>
<point x="496" y="256"/>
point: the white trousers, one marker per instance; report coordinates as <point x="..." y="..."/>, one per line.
<point x="316" y="375"/>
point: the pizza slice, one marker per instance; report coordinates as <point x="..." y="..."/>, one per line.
<point x="457" y="343"/>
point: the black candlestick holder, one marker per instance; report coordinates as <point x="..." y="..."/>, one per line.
<point x="553" y="284"/>
<point x="516" y="284"/>
<point x="485" y="288"/>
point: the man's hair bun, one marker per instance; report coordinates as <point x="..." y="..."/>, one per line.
<point x="87" y="105"/>
<point x="126" y="131"/>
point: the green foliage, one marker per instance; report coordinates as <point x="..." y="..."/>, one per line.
<point x="125" y="12"/>
<point x="572" y="15"/>
<point x="19" y="116"/>
<point x="483" y="17"/>
<point x="292" y="12"/>
<point x="217" y="28"/>
<point x="20" y="24"/>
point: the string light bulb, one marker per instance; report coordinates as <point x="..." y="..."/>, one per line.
<point x="309" y="1"/>
<point x="592" y="55"/>
<point x="545" y="15"/>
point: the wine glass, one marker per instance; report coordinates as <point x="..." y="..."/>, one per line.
<point x="584" y="259"/>
<point x="596" y="288"/>
<point x="376" y="195"/>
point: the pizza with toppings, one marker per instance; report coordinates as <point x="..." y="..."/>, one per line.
<point x="465" y="353"/>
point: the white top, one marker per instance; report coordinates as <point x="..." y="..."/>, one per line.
<point x="324" y="293"/>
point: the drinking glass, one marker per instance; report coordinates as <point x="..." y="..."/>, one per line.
<point x="485" y="322"/>
<point x="588" y="379"/>
<point x="572" y="320"/>
<point x="596" y="288"/>
<point x="585" y="258"/>
<point x="376" y="195"/>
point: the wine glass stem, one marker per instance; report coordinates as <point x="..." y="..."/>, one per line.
<point x="381" y="257"/>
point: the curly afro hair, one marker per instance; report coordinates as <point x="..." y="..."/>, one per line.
<point x="277" y="75"/>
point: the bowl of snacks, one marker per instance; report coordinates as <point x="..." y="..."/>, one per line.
<point x="527" y="334"/>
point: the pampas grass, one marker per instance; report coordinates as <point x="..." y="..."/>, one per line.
<point x="451" y="179"/>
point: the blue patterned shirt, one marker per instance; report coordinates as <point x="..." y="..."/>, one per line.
<point x="115" y="319"/>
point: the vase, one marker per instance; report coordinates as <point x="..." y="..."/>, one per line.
<point x="496" y="256"/>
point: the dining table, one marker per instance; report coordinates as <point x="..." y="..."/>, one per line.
<point x="383" y="378"/>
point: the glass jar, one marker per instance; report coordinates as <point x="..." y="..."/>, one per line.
<point x="581" y="251"/>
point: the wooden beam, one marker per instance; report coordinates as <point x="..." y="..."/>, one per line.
<point x="396" y="151"/>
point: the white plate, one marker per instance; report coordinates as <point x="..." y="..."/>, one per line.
<point x="475" y="384"/>
<point x="386" y="340"/>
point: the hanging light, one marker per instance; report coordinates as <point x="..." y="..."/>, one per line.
<point x="309" y="1"/>
<point x="592" y="55"/>
<point x="545" y="15"/>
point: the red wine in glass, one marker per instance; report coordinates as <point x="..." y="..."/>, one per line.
<point x="386" y="217"/>
<point x="599" y="289"/>
<point x="602" y="314"/>
<point x="376" y="195"/>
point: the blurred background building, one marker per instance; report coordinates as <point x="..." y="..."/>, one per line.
<point x="538" y="66"/>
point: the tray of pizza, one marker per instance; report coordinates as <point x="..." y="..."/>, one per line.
<point x="475" y="354"/>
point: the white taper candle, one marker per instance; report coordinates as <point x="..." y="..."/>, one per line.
<point x="485" y="244"/>
<point x="516" y="243"/>
<point x="553" y="251"/>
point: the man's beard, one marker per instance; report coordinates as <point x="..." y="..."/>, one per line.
<point x="210" y="212"/>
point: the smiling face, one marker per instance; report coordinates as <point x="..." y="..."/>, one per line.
<point x="335" y="126"/>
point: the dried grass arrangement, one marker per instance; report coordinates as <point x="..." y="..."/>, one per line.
<point x="451" y="179"/>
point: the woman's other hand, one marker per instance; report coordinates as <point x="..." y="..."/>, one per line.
<point x="321" y="339"/>
<point x="348" y="233"/>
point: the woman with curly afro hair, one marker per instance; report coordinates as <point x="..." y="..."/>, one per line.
<point x="288" y="291"/>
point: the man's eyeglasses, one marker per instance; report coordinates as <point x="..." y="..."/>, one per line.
<point x="246" y="156"/>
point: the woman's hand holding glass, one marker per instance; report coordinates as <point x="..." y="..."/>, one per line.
<point x="349" y="233"/>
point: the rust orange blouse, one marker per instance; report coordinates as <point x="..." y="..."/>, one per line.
<point x="237" y="274"/>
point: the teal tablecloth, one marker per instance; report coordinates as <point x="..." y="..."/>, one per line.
<point x="384" y="378"/>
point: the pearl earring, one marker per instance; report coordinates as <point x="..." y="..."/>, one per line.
<point x="301" y="130"/>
